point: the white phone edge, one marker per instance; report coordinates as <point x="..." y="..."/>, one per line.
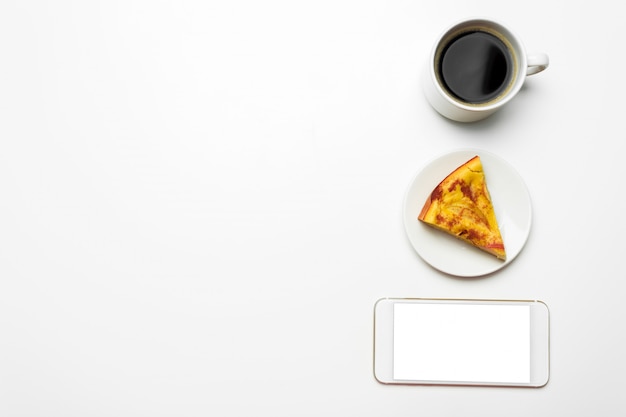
<point x="383" y="341"/>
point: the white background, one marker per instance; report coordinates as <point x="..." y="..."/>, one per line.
<point x="200" y="203"/>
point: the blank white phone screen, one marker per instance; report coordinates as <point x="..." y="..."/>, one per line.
<point x="461" y="342"/>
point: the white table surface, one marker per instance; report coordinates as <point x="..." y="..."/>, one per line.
<point x="200" y="203"/>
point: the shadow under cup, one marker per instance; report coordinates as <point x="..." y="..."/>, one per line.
<point x="478" y="64"/>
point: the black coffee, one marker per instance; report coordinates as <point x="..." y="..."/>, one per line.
<point x="476" y="67"/>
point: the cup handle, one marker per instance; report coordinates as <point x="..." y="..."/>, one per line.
<point x="537" y="63"/>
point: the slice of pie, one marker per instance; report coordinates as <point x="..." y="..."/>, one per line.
<point x="461" y="206"/>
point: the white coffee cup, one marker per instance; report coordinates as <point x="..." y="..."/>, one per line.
<point x="459" y="106"/>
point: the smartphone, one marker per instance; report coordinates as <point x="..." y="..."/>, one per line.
<point x="461" y="342"/>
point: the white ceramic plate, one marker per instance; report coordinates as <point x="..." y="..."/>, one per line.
<point x="448" y="254"/>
